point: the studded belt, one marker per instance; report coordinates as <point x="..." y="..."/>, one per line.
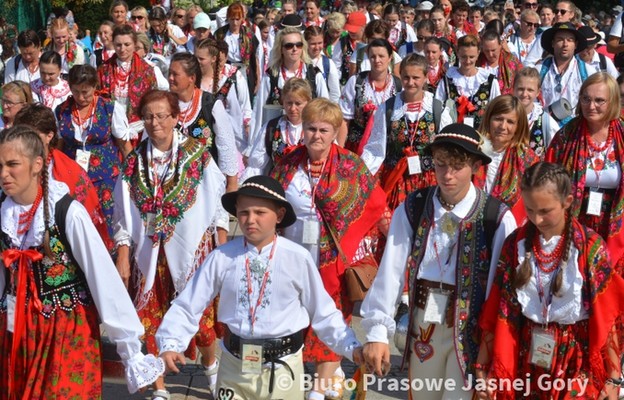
<point x="422" y="292"/>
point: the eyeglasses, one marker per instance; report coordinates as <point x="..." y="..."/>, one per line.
<point x="290" y="46"/>
<point x="155" y="117"/>
<point x="532" y="5"/>
<point x="423" y="38"/>
<point x="531" y="24"/>
<point x="8" y="103"/>
<point x="180" y="15"/>
<point x="562" y="12"/>
<point x="134" y="17"/>
<point x="586" y="100"/>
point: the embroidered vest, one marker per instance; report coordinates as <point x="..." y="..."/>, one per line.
<point x="224" y="91"/>
<point x="203" y="126"/>
<point x="347" y="51"/>
<point x="536" y="139"/>
<point x="275" y="93"/>
<point x="480" y="99"/>
<point x="275" y="145"/>
<point x="59" y="280"/>
<point x="399" y="139"/>
<point x="471" y="273"/>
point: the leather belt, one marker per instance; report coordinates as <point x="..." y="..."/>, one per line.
<point x="272" y="349"/>
<point x="423" y="287"/>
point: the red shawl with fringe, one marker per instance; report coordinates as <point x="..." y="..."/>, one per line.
<point x="570" y="148"/>
<point x="351" y="203"/>
<point x="66" y="170"/>
<point x="508" y="65"/>
<point x="507" y="183"/>
<point x="503" y="317"/>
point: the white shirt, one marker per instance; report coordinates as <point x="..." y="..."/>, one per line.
<point x="115" y="309"/>
<point x="595" y="63"/>
<point x="609" y="177"/>
<point x="378" y="307"/>
<point x="233" y="46"/>
<point x="616" y="29"/>
<point x="528" y="53"/>
<point x="492" y="169"/>
<point x="467" y="85"/>
<point x="294" y="297"/>
<point x="22" y="73"/>
<point x="571" y="82"/>
<point x="347" y="100"/>
<point x="374" y="152"/>
<point x="333" y="77"/>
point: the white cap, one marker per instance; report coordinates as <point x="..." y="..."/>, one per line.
<point x="202" y="20"/>
<point x="424" y="6"/>
<point x="617" y="9"/>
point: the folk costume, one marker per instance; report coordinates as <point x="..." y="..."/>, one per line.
<point x="442" y="344"/>
<point x="73" y="54"/>
<point x="542" y="128"/>
<point x="279" y="304"/>
<point x="398" y="134"/>
<point x="242" y="49"/>
<point x="323" y="203"/>
<point x="125" y="83"/>
<point x="595" y="168"/>
<point x="505" y="71"/>
<point x="501" y="177"/>
<point x="51" y="305"/>
<point x="204" y="118"/>
<point x="358" y="103"/>
<point x="167" y="209"/>
<point x="580" y="318"/>
<point x="50" y="96"/>
<point x="91" y="143"/>
<point x="471" y="94"/>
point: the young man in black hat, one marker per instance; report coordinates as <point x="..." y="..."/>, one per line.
<point x="449" y="238"/>
<point x="598" y="61"/>
<point x="562" y="73"/>
<point x="272" y="292"/>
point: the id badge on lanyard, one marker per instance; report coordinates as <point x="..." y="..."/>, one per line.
<point x="594" y="203"/>
<point x="82" y="158"/>
<point x="543" y="347"/>
<point x="436" y="305"/>
<point x="252" y="359"/>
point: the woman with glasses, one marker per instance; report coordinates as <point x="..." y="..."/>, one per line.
<point x="178" y="17"/>
<point x="125" y="77"/>
<point x="138" y="18"/>
<point x="289" y="59"/>
<point x="424" y="30"/>
<point x="107" y="49"/>
<point x="15" y="95"/>
<point x="169" y="210"/>
<point x="526" y="46"/>
<point x="203" y="116"/>
<point x="50" y="90"/>
<point x="167" y="39"/>
<point x="591" y="148"/>
<point x="565" y="11"/>
<point x="92" y="136"/>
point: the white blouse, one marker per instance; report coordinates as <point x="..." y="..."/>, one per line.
<point x="467" y="85"/>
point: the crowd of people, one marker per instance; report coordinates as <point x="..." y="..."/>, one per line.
<point x="472" y="154"/>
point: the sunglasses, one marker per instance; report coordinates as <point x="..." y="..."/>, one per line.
<point x="532" y="5"/>
<point x="290" y="46"/>
<point x="180" y="15"/>
<point x="531" y="24"/>
<point x="134" y="17"/>
<point x="562" y="12"/>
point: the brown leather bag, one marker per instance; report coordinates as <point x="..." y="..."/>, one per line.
<point x="359" y="277"/>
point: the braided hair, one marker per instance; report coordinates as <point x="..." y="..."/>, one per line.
<point x="538" y="176"/>
<point x="31" y="146"/>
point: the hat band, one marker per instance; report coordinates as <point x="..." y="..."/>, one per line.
<point x="457" y="136"/>
<point x="252" y="184"/>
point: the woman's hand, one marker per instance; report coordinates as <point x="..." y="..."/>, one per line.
<point x="377" y="357"/>
<point x="358" y="356"/>
<point x="123" y="264"/>
<point x="171" y="358"/>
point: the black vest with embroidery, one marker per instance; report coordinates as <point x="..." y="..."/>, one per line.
<point x="480" y="99"/>
<point x="275" y="93"/>
<point x="347" y="51"/>
<point x="536" y="138"/>
<point x="203" y="126"/>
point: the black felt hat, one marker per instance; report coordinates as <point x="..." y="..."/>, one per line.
<point x="549" y="35"/>
<point x="263" y="187"/>
<point x="463" y="136"/>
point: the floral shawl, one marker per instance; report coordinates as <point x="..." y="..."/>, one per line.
<point x="569" y="148"/>
<point x="503" y="317"/>
<point x="507" y="183"/>
<point x="508" y="65"/>
<point x="141" y="80"/>
<point x="350" y="201"/>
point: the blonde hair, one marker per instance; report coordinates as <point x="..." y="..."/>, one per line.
<point x="140" y="10"/>
<point x="529" y="73"/>
<point x="275" y="62"/>
<point x="58" y="24"/>
<point x="324" y="110"/>
<point x="19" y="88"/>
<point x="335" y="21"/>
<point x="613" y="97"/>
<point x="503" y="105"/>
<point x="297" y="87"/>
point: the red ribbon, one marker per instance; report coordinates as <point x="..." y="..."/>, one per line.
<point x="368" y="108"/>
<point x="23" y="257"/>
<point x="464" y="106"/>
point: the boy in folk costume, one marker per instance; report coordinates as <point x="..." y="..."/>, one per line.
<point x="274" y="285"/>
<point x="449" y="238"/>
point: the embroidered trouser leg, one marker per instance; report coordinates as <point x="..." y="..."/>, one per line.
<point x="233" y="384"/>
<point x="433" y="367"/>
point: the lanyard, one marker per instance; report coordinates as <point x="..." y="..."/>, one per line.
<point x="158" y="180"/>
<point x="265" y="278"/>
<point x="447" y="263"/>
<point x="544" y="301"/>
<point x="312" y="184"/>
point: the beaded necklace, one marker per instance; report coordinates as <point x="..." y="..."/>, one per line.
<point x="25" y="219"/>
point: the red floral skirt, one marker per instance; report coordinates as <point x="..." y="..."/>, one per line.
<point x="161" y="296"/>
<point x="58" y="358"/>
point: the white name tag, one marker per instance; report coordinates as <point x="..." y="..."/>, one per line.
<point x="413" y="165"/>
<point x="311" y="231"/>
<point x="469" y="121"/>
<point x="252" y="359"/>
<point x="10" y="313"/>
<point x="82" y="158"/>
<point x="435" y="308"/>
<point x="594" y="204"/>
<point x="543" y="347"/>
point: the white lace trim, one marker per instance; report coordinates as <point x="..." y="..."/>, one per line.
<point x="467" y="85"/>
<point x="143" y="370"/>
<point x="10" y="212"/>
<point x="566" y="309"/>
